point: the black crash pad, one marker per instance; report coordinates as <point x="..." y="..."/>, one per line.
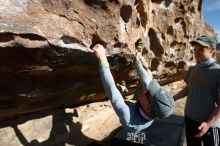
<point x="167" y="132"/>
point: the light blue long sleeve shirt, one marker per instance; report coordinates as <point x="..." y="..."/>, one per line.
<point x="129" y="114"/>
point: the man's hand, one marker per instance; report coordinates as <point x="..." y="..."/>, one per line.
<point x="204" y="127"/>
<point x="99" y="51"/>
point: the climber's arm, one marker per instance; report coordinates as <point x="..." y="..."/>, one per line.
<point x="121" y="109"/>
<point x="143" y="74"/>
<point x="141" y="65"/>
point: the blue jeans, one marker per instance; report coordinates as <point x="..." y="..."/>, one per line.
<point x="128" y="114"/>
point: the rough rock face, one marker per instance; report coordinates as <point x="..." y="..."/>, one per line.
<point x="45" y="55"/>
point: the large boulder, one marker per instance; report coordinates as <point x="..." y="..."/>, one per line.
<point x="45" y="55"/>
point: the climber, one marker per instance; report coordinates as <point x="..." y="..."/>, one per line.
<point x="153" y="103"/>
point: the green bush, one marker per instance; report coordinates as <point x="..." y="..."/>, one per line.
<point x="218" y="56"/>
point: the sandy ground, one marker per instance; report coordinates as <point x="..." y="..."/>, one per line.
<point x="179" y="104"/>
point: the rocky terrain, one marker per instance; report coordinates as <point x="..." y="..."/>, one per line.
<point x="45" y="56"/>
<point x="47" y="65"/>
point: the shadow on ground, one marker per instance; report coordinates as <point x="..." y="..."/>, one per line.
<point x="63" y="132"/>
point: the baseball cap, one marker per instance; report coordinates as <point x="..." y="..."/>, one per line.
<point x="205" y="41"/>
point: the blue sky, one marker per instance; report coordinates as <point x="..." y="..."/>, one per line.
<point x="211" y="12"/>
